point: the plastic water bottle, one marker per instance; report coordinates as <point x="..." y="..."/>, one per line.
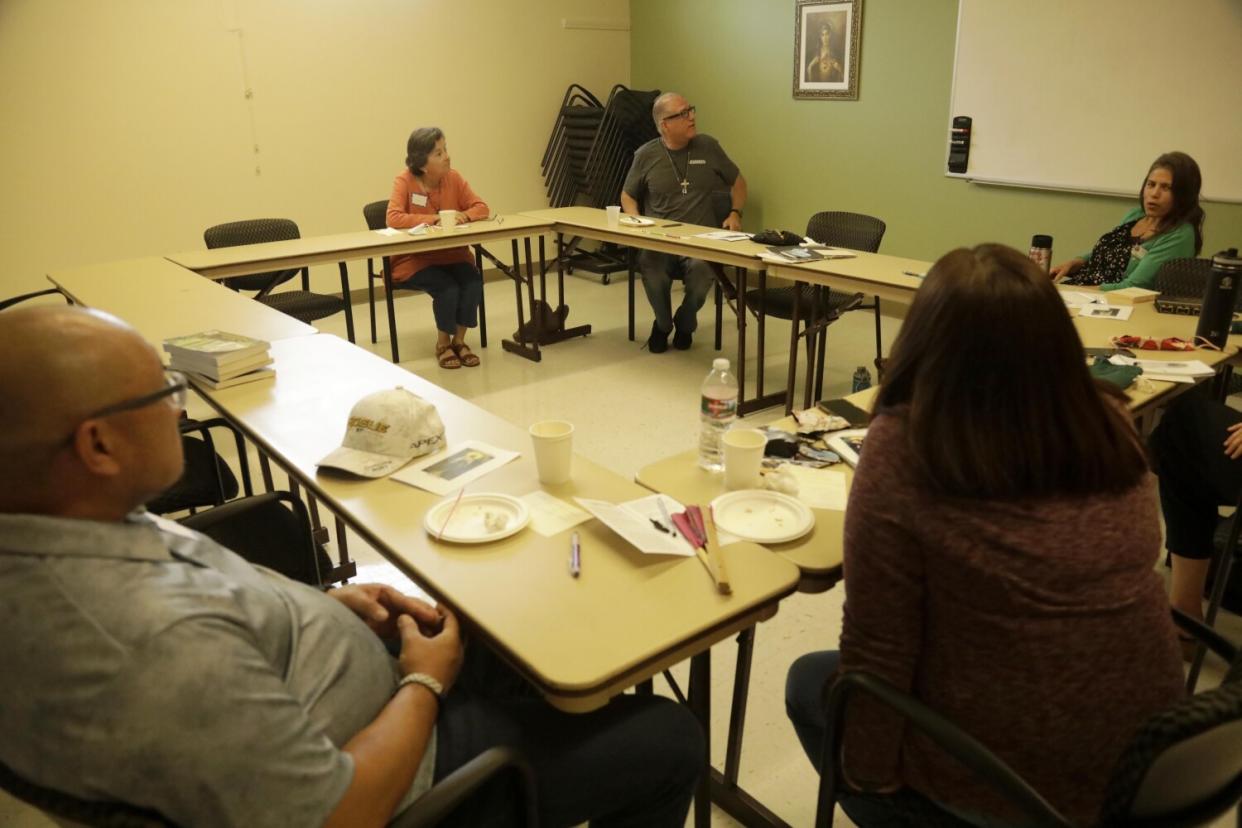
<point x="717" y="411"/>
<point x="862" y="379"/>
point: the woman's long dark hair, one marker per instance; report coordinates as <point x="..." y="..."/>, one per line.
<point x="1186" y="184"/>
<point x="1000" y="402"/>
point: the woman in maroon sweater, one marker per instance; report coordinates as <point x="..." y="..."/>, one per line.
<point x="999" y="548"/>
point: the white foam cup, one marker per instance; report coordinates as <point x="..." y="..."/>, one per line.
<point x="554" y="450"/>
<point x="743" y="455"/>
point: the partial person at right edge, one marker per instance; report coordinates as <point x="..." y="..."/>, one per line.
<point x="1195" y="450"/>
<point x="673" y="177"/>
<point x="1167" y="224"/>
<point x="1000" y="543"/>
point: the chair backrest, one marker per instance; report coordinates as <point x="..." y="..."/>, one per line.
<point x="1184" y="766"/>
<point x="254" y="231"/>
<point x="855" y="231"/>
<point x="271" y="530"/>
<point x="1183" y="277"/>
<point x="206" y="479"/>
<point x="376" y="214"/>
<point x="69" y="810"/>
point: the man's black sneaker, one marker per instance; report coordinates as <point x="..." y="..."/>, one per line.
<point x="657" y="343"/>
<point x="682" y="339"/>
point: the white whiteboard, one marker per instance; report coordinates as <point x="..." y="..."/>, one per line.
<point x="1084" y="94"/>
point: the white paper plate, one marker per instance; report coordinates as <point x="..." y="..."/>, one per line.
<point x="636" y="221"/>
<point x="762" y="516"/>
<point x="478" y="518"/>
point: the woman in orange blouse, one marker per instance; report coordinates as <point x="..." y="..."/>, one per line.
<point x="426" y="186"/>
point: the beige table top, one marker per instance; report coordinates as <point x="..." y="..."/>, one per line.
<point x="679" y="239"/>
<point x="581" y="640"/>
<point x="223" y="262"/>
<point x="162" y="300"/>
<point x="817" y="554"/>
<point x="885" y="276"/>
<point x="874" y="274"/>
<point x="1146" y="321"/>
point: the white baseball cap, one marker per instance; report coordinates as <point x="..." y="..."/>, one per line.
<point x="385" y="431"/>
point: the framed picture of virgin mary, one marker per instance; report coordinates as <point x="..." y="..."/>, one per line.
<point x="827" y="37"/>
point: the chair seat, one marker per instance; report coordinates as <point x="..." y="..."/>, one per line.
<point x="779" y="301"/>
<point x="304" y="305"/>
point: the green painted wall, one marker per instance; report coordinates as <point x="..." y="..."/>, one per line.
<point x="883" y="154"/>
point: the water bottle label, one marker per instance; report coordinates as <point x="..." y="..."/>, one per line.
<point x="715" y="409"/>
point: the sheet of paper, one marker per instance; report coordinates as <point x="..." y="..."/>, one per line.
<point x="1076" y="299"/>
<point x="390" y="231"/>
<point x="779" y="258"/>
<point x="820" y="488"/>
<point x="1180" y="367"/>
<point x="1182" y="378"/>
<point x="649" y="507"/>
<point x="635" y="528"/>
<point x="723" y="235"/>
<point x="447" y="471"/>
<point x="550" y="515"/>
<point x="419" y="230"/>
<point x="1098" y="311"/>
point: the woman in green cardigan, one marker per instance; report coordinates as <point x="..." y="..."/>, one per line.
<point x="1167" y="224"/>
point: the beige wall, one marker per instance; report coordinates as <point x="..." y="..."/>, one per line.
<point x="125" y="129"/>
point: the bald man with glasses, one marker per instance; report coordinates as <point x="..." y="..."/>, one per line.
<point x="148" y="665"/>
<point x="673" y="177"/>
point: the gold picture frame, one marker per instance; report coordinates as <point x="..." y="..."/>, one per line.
<point x="827" y="42"/>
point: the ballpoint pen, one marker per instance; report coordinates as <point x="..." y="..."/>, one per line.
<point x="668" y="519"/>
<point x="913" y="273"/>
<point x="575" y="555"/>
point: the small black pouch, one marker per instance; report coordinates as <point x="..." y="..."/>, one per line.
<point x="777" y="238"/>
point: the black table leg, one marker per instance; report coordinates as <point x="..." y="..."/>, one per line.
<point x="701" y="706"/>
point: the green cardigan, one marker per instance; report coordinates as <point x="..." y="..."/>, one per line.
<point x="1178" y="243"/>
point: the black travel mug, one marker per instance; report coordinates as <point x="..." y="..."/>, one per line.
<point x="1041" y="252"/>
<point x="1220" y="297"/>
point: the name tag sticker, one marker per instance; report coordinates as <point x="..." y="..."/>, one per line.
<point x="698" y="161"/>
<point x="1138" y="251"/>
<point x="418" y="199"/>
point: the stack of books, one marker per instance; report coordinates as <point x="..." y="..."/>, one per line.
<point x="219" y="359"/>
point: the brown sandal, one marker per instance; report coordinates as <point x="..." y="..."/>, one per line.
<point x="447" y="356"/>
<point x="468" y="357"/>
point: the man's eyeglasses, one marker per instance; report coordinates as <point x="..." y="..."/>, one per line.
<point x="173" y="393"/>
<point x="685" y="113"/>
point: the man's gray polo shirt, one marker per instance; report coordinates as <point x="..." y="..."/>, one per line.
<point x="150" y="665"/>
<point x="655" y="176"/>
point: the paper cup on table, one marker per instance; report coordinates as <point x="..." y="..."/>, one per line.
<point x="614" y="215"/>
<point x="743" y="455"/>
<point x="554" y="450"/>
<point x="448" y="220"/>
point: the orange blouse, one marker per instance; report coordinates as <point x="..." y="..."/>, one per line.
<point x="452" y="194"/>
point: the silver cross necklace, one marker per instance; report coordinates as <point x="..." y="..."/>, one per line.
<point x="683" y="176"/>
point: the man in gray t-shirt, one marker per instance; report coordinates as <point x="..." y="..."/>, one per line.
<point x="148" y="665"/>
<point x="674" y="177"/>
